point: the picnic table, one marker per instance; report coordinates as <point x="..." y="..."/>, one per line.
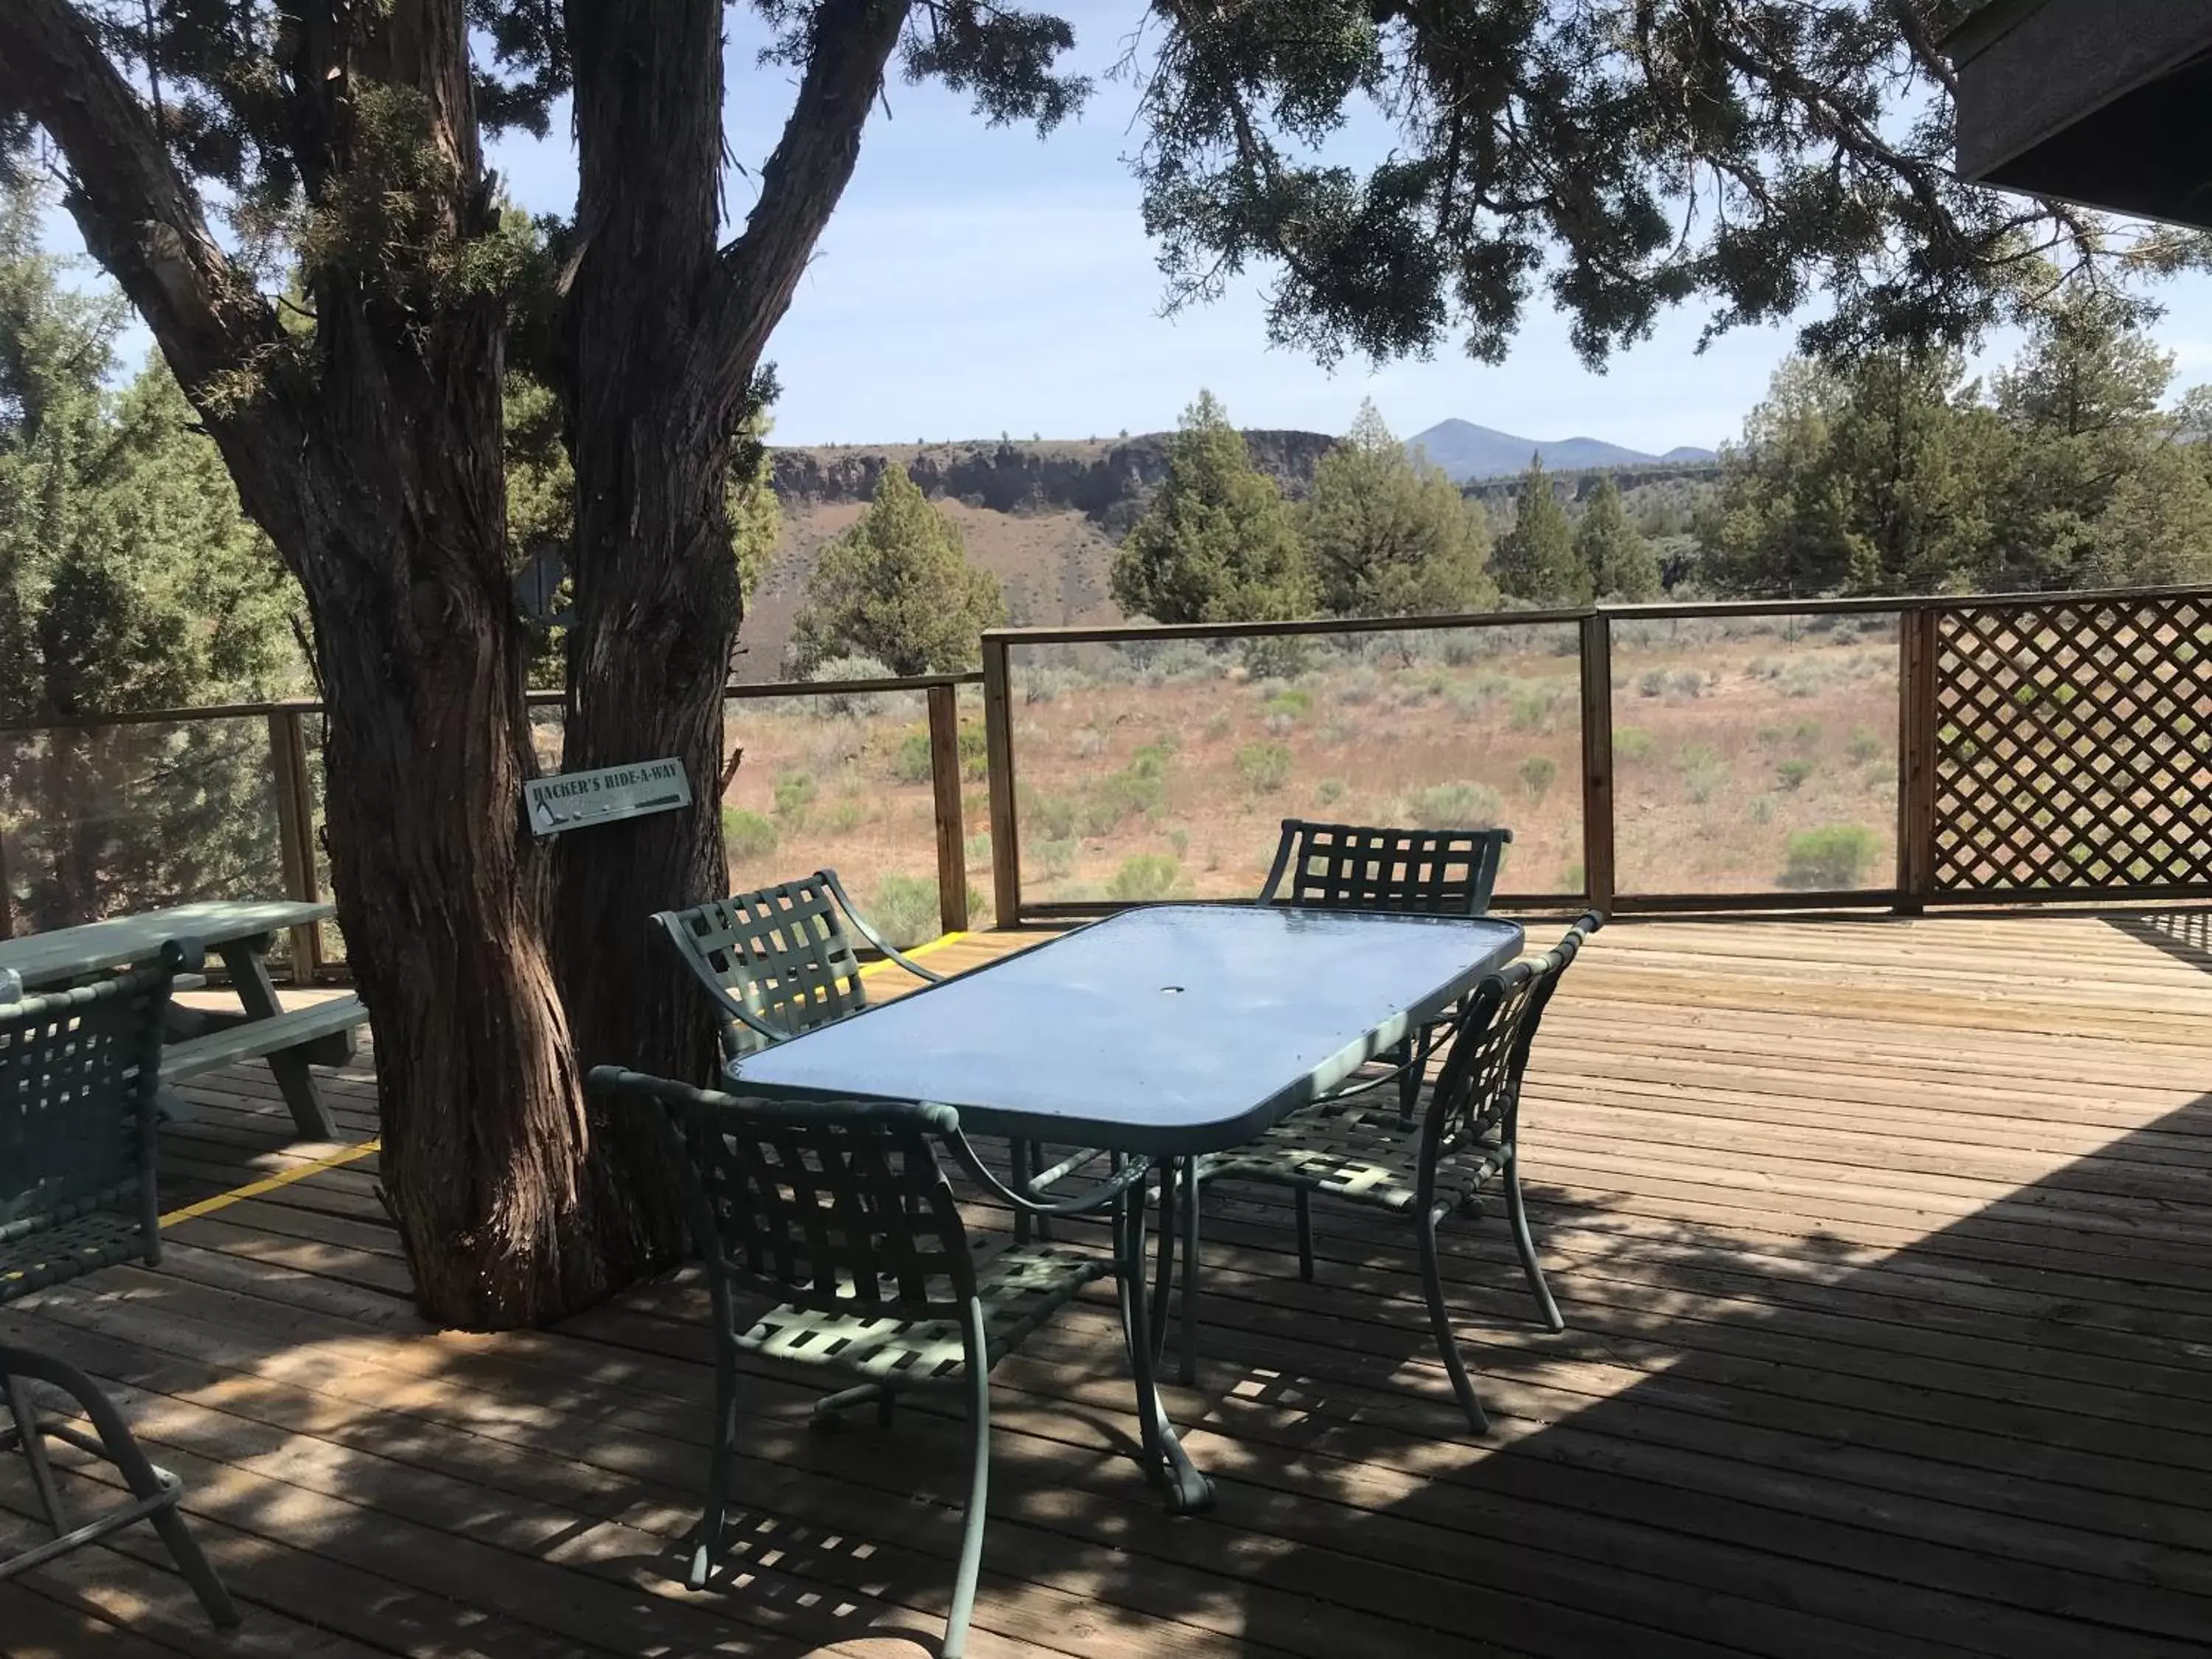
<point x="1167" y="1031"/>
<point x="239" y="932"/>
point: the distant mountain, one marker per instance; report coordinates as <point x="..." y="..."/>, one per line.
<point x="1467" y="451"/>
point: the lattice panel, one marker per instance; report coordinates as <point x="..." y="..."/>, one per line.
<point x="2074" y="746"/>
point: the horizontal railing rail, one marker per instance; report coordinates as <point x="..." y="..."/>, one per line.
<point x="2049" y="746"/>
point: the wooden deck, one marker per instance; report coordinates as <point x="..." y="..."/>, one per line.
<point x="1884" y="1249"/>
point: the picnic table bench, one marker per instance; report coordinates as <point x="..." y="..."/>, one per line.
<point x="198" y="1041"/>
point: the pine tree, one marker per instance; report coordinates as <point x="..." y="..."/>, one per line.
<point x="1536" y="560"/>
<point x="1616" y="561"/>
<point x="897" y="586"/>
<point x="1391" y="537"/>
<point x="1218" y="543"/>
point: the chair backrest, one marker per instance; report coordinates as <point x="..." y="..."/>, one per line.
<point x="1478" y="1090"/>
<point x="777" y="961"/>
<point x="1347" y="867"/>
<point x="78" y="1072"/>
<point x="836" y="1207"/>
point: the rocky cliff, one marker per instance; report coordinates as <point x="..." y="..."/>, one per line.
<point x="1107" y="482"/>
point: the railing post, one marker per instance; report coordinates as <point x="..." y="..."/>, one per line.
<point x="951" y="833"/>
<point x="1598" y="879"/>
<point x="288" y="755"/>
<point x="1915" y="758"/>
<point x="998" y="751"/>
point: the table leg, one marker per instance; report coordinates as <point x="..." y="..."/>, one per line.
<point x="1166" y="1464"/>
<point x="249" y="975"/>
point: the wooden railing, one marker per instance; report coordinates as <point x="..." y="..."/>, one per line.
<point x="2049" y="746"/>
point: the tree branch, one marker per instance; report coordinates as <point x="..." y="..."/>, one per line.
<point x="138" y="218"/>
<point x="813" y="162"/>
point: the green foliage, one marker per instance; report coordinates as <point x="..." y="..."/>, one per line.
<point x="1218" y="543"/>
<point x="1146" y="878"/>
<point x="903" y="909"/>
<point x="898" y="586"/>
<point x="1391" y="537"/>
<point x="795" y="793"/>
<point x="129" y="580"/>
<point x="1631" y="742"/>
<point x="1537" y="773"/>
<point x="1536" y="560"/>
<point x="1893" y="475"/>
<point x="1456" y="806"/>
<point x="1703" y="770"/>
<point x="1831" y="858"/>
<point x="748" y="834"/>
<point x="1793" y="772"/>
<point x="1616" y="559"/>
<point x="1264" y="766"/>
<point x="1292" y="703"/>
<point x="910" y="761"/>
<point x="1328" y="792"/>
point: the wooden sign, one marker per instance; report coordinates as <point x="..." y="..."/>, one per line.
<point x="575" y="800"/>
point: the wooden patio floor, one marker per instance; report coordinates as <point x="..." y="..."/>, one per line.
<point x="1884" y="1248"/>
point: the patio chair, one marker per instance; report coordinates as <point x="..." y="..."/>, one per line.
<point x="1348" y="866"/>
<point x="78" y="1070"/>
<point x="780" y="961"/>
<point x="841" y="1211"/>
<point x="1465" y="1141"/>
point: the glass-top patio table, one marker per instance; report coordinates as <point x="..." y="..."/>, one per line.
<point x="1163" y="1032"/>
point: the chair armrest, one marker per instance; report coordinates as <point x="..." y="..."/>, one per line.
<point x="866" y="931"/>
<point x="1084" y="1203"/>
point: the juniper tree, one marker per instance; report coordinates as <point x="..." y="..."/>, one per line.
<point x="1390" y="536"/>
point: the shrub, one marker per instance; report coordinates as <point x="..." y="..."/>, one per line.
<point x="1537" y="773"/>
<point x="1572" y="878"/>
<point x="1653" y="684"/>
<point x="1831" y="857"/>
<point x="1265" y="766"/>
<point x="847" y="815"/>
<point x="1290" y="702"/>
<point x="1703" y="770"/>
<point x="910" y="760"/>
<point x="1807" y="731"/>
<point x="1768" y="736"/>
<point x="1360" y="686"/>
<point x="1218" y="724"/>
<point x="1631" y="742"/>
<point x="1864" y="745"/>
<point x="1120" y="796"/>
<point x="1055" y="856"/>
<point x="1689" y="684"/>
<point x="1762" y="809"/>
<point x="1088" y="743"/>
<point x="976" y="849"/>
<point x="1280" y="657"/>
<point x="794" y="797"/>
<point x="903" y="909"/>
<point x="1329" y="791"/>
<point x="1456" y="806"/>
<point x="1180" y="840"/>
<point x="830" y="670"/>
<point x="1145" y="879"/>
<point x="1532" y="708"/>
<point x="747" y="834"/>
<point x="1050" y="817"/>
<point x="1793" y="772"/>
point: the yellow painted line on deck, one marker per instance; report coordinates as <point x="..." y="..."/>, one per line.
<point x="269" y="1184"/>
<point x="918" y="951"/>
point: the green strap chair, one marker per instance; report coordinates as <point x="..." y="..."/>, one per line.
<point x="780" y="960"/>
<point x="842" y="1211"/>
<point x="78" y="1070"/>
<point x="1464" y="1141"/>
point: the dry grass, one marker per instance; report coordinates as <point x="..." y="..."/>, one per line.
<point x="1166" y="773"/>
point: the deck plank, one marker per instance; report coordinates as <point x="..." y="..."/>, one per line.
<point x="1882" y="1246"/>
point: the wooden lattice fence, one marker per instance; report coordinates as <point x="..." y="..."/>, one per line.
<point x="2073" y="746"/>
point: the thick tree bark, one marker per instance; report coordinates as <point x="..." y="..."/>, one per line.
<point x="371" y="454"/>
<point x="666" y="332"/>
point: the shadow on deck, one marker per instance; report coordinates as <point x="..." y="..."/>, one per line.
<point x="1883" y="1247"/>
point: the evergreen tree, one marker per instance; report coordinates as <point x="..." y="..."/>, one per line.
<point x="1390" y="536"/>
<point x="1616" y="561"/>
<point x="1217" y="543"/>
<point x="897" y="586"/>
<point x="1535" y="559"/>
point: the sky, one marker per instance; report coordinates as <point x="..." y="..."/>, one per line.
<point x="976" y="281"/>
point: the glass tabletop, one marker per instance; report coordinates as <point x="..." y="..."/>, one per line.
<point x="1168" y="1030"/>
